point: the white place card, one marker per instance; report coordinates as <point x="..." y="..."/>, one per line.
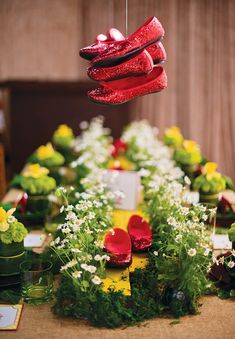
<point x="34" y="240"/>
<point x="126" y="182"/>
<point x="10" y="316"/>
<point x="221" y="242"/>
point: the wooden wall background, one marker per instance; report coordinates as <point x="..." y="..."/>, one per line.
<point x="40" y="40"/>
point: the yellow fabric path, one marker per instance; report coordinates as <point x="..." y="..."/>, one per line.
<point x="117" y="279"/>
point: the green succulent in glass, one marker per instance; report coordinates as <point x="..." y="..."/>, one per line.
<point x="173" y="137"/>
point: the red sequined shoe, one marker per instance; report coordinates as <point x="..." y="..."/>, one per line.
<point x="139" y="65"/>
<point x="102" y="42"/>
<point x="123" y="90"/>
<point x="157" y="52"/>
<point x="118" y="244"/>
<point x="115" y="35"/>
<point x="150" y="32"/>
<point x="140" y="232"/>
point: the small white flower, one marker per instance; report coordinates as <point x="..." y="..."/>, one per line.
<point x="192" y="252"/>
<point x="77" y="274"/>
<point x="155" y="253"/>
<point x="233" y="253"/>
<point x="11" y="219"/>
<point x="72" y="263"/>
<point x="207" y="252"/>
<point x="83" y="125"/>
<point x="91" y="269"/>
<point x="63" y="268"/>
<point x="105" y="257"/>
<point x="96" y="280"/>
<point x="187" y="180"/>
<point x="98" y="257"/>
<point x="221" y="260"/>
<point x="75" y="250"/>
<point x="231" y="264"/>
<point x="178" y="237"/>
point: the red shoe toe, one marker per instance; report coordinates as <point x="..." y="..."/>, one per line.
<point x="139" y="65"/>
<point x="117" y="242"/>
<point x="140" y="232"/>
<point x="123" y="90"/>
<point x="151" y="31"/>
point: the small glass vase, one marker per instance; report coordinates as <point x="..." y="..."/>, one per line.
<point x="36" y="281"/>
<point x="210" y="198"/>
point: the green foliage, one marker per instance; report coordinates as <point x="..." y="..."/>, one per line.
<point x="38" y="186"/>
<point x="214" y="185"/>
<point x="184" y="157"/>
<point x="15" y="233"/>
<point x="51" y="161"/>
<point x="231" y="232"/>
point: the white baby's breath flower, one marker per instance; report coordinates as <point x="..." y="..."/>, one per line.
<point x="187" y="180"/>
<point x="192" y="252"/>
<point x="207" y="252"/>
<point x="76" y="250"/>
<point x="155" y="253"/>
<point x="63" y="268"/>
<point x="77" y="274"/>
<point x="96" y="280"/>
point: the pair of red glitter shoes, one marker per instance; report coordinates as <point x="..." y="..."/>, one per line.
<point x="127" y="67"/>
<point x="120" y="243"/>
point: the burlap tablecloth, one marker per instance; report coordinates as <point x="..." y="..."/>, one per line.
<point x="216" y="321"/>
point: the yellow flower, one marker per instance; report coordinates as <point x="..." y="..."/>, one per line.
<point x="121" y="162"/>
<point x="173" y="131"/>
<point x="190" y="146"/>
<point x="4" y="217"/>
<point x="45" y="151"/>
<point x="210" y="170"/>
<point x="64" y="131"/>
<point x="35" y="171"/>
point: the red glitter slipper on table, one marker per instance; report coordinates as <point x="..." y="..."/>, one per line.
<point x="117" y="243"/>
<point x="140" y="232"/>
<point x="151" y="31"/>
<point x="123" y="90"/>
<point x="102" y="42"/>
<point x="138" y="65"/>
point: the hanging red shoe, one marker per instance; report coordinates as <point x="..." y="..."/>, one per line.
<point x="102" y="42"/>
<point x="117" y="242"/>
<point x="140" y="232"/>
<point x="151" y="31"/>
<point x="139" y="65"/>
<point x="157" y="52"/>
<point x="123" y="90"/>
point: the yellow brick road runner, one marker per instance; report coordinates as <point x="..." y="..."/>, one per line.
<point x="117" y="279"/>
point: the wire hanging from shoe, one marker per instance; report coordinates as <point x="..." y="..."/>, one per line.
<point x="126" y="17"/>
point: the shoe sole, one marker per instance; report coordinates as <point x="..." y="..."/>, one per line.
<point x="109" y="62"/>
<point x="119" y="103"/>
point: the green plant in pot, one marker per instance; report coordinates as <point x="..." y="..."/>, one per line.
<point x="173" y="137"/>
<point x="37" y="185"/>
<point x="209" y="184"/>
<point x="188" y="156"/>
<point x="48" y="157"/>
<point x="12" y="234"/>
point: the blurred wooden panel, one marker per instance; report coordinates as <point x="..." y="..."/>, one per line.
<point x="37" y="108"/>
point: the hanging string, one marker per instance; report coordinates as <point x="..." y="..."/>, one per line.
<point x="126" y="17"/>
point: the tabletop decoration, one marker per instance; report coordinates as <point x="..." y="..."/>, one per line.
<point x="34" y="204"/>
<point x="12" y="234"/>
<point x="210" y="183"/>
<point x="173" y="137"/>
<point x="62" y="139"/>
<point x="188" y="157"/>
<point x="169" y="282"/>
<point x="48" y="157"/>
